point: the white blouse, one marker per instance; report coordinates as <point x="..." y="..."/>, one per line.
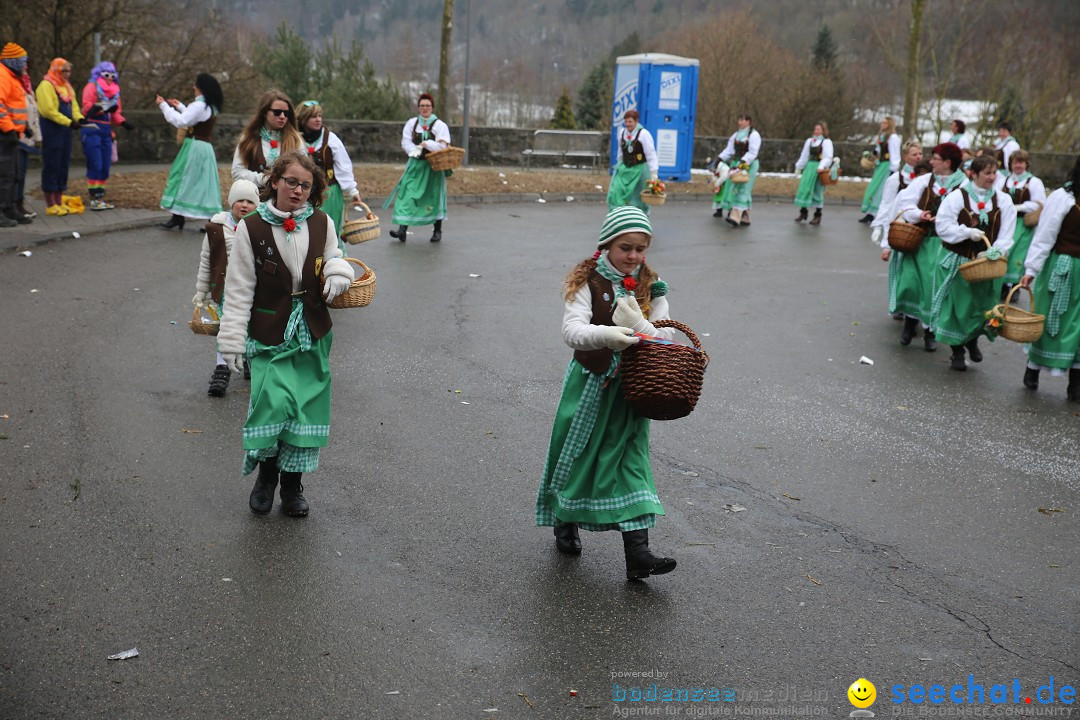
<point x="1058" y="205"/>
<point x="951" y="231"/>
<point x="826" y="153"/>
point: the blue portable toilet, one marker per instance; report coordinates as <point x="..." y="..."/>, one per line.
<point x="663" y="89"/>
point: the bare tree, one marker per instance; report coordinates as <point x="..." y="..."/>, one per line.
<point x="911" y="74"/>
<point x="444" y="56"/>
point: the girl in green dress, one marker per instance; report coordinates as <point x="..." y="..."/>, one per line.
<point x="419" y="198"/>
<point x="637" y="157"/>
<point x="276" y="315"/>
<point x="329" y="153"/>
<point x="887" y="161"/>
<point x="192" y="190"/>
<point x="597" y="474"/>
<point x="1029" y="194"/>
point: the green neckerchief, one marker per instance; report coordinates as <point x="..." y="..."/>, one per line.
<point x="955" y="139"/>
<point x="950" y="183"/>
<point x="271" y="137"/>
<point x="274" y="219"/>
<point x="1021" y="178"/>
<point x="1000" y="144"/>
<point x="429" y="133"/>
<point x="616" y="277"/>
<point x="907" y="172"/>
<point x="983" y="198"/>
<point x="742" y="134"/>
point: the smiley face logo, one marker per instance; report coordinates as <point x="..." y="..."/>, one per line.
<point x="862" y="693"/>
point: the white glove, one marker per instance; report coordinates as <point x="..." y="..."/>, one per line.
<point x="628" y="312"/>
<point x="414" y="153"/>
<point x="335" y="285"/>
<point x="619" y="338"/>
<point x="876" y="235"/>
<point x="234" y="361"/>
<point x="200" y="299"/>
<point x="652" y="176"/>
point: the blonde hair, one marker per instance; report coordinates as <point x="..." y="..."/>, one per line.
<point x="579" y="277"/>
<point x="890" y="124"/>
<point x="824" y="128"/>
<point x="908" y="145"/>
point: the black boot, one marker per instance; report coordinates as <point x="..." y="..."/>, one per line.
<point x="803" y="215"/>
<point x="640" y="562"/>
<point x="262" y="495"/>
<point x="247" y="370"/>
<point x="436" y="236"/>
<point x="817" y="217"/>
<point x="867" y="218"/>
<point x="973" y="350"/>
<point x="219" y="381"/>
<point x="929" y="340"/>
<point x="567" y="539"/>
<point x="293" y="503"/>
<point x="400" y="233"/>
<point x="1031" y="378"/>
<point x="910" y="325"/>
<point x="958" y="362"/>
<point x="176" y="221"/>
<point x="718" y="212"/>
<point x="1074" y="385"/>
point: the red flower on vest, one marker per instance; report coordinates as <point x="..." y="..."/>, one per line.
<point x="311" y="150"/>
<point x="629" y="283"/>
<point x="982" y="206"/>
<point x="274" y="143"/>
<point x="942" y="191"/>
<point x="289" y="224"/>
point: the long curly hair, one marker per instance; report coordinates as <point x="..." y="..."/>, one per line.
<point x="579" y="277"/>
<point x="251" y="139"/>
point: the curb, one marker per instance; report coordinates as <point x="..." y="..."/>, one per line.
<point x="38" y="240"/>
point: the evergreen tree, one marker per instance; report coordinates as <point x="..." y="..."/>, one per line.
<point x="594" y="97"/>
<point x="287" y="62"/>
<point x="346" y="85"/>
<point x="564" y="113"/>
<point x="824" y="50"/>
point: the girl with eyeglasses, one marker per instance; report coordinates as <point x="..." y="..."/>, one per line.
<point x="193" y="190"/>
<point x="284" y="268"/>
<point x="102" y="107"/>
<point x="419" y="198"/>
<point x="326" y="149"/>
<point x="269" y="134"/>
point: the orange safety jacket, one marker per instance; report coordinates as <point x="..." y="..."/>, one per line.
<point x="12" y="102"/>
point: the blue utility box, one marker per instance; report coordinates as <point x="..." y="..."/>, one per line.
<point x="663" y="89"/>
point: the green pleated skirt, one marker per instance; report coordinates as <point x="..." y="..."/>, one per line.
<point x="1018" y="253"/>
<point x="872" y="197"/>
<point x="626" y="186"/>
<point x="1061" y="350"/>
<point x="420" y="195"/>
<point x="911" y="280"/>
<point x="740" y="195"/>
<point x="192" y="189"/>
<point x="962" y="316"/>
<point x="811" y="193"/>
<point x="610" y="484"/>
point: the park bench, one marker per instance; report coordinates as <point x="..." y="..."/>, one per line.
<point x="566" y="145"/>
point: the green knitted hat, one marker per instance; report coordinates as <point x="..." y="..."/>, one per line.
<point x="622" y="220"/>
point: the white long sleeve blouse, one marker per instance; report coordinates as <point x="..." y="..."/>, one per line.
<point x="240" y="278"/>
<point x="440" y="130"/>
<point x="894" y="152"/>
<point x="343" y="169"/>
<point x="826" y="153"/>
<point x="887" y="212"/>
<point x="580" y="334"/>
<point x="907" y="201"/>
<point x="647" y="146"/>
<point x="1036" y="190"/>
<point x="240" y="170"/>
<point x="1058" y="205"/>
<point x="186" y="116"/>
<point x="951" y="231"/>
<point x="751" y="153"/>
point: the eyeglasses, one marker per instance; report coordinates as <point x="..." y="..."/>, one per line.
<point x="108" y="75"/>
<point x="292" y="183"/>
<point x="278" y="112"/>
<point x="310" y="103"/>
<point x="425" y="105"/>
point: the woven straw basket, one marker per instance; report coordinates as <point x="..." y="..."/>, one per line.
<point x="1020" y="325"/>
<point x="360" y="292"/>
<point x="366" y="228"/>
<point x="1031" y="219"/>
<point x="652" y="198"/>
<point x="447" y="159"/>
<point x="739" y="176"/>
<point x="982" y="269"/>
<point x="867" y="163"/>
<point x="201" y="327"/>
<point x="663" y="382"/>
<point x="905" y="237"/>
<point x="825" y="176"/>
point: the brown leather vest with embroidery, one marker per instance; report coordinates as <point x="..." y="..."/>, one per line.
<point x="1068" y="239"/>
<point x="272" y="303"/>
<point x="815" y="151"/>
<point x="883" y="150"/>
<point x="219" y="260"/>
<point x="971" y="248"/>
<point x="598" y="361"/>
<point x="636" y="154"/>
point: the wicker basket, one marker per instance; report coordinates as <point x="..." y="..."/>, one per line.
<point x="1020" y="325"/>
<point x="1031" y="219"/>
<point x="739" y="176"/>
<point x="360" y="293"/>
<point x="905" y="237"/>
<point x="663" y="382"/>
<point x="867" y="163"/>
<point x="981" y="269"/>
<point x="201" y="327"/>
<point x="652" y="198"/>
<point x="825" y="176"/>
<point x="366" y="228"/>
<point x="447" y="159"/>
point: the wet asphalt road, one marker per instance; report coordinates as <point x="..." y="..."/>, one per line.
<point x="891" y="528"/>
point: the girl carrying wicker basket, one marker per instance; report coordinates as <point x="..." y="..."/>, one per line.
<point x="597" y="476"/>
<point x="276" y="316"/>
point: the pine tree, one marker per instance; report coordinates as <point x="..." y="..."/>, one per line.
<point x="288" y="62"/>
<point x="564" y="113"/>
<point x="593" y="104"/>
<point x="824" y="50"/>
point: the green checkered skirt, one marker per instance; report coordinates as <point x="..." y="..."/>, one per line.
<point x="597" y="473"/>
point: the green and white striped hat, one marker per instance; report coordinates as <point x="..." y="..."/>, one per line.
<point x="622" y="220"/>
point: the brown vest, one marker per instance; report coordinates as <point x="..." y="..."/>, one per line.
<point x="258" y="163"/>
<point x="219" y="260"/>
<point x="742" y="147"/>
<point x="597" y="361"/>
<point x="272" y="303"/>
<point x="971" y="248"/>
<point x="324" y="158"/>
<point x="418" y="137"/>
<point x="930" y="202"/>
<point x="815" y="152"/>
<point x="1068" y="239"/>
<point x="1019" y="195"/>
<point x="204" y="130"/>
<point x="883" y="150"/>
<point x="634" y="156"/>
